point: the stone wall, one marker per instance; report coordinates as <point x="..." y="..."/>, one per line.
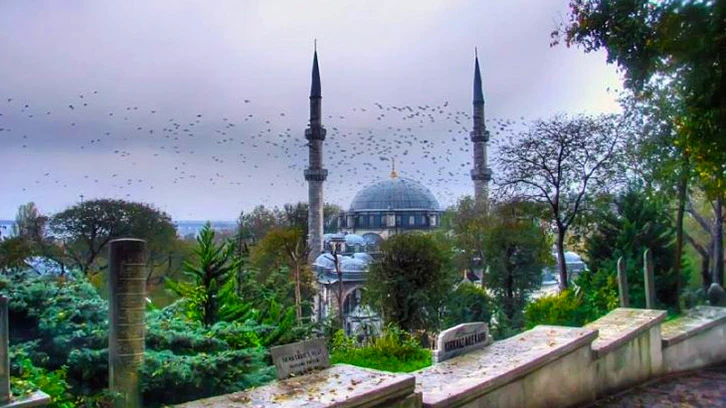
<point x="543" y="367"/>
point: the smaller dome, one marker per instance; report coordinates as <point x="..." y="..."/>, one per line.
<point x="363" y="257"/>
<point x="348" y="264"/>
<point x="324" y="260"/>
<point x="354" y="239"/>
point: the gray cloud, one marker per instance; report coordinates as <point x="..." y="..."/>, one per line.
<point x="184" y="59"/>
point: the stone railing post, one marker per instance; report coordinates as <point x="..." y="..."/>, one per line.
<point x="623" y="283"/>
<point x="649" y="279"/>
<point x="4" y="352"/>
<point x="127" y="292"/>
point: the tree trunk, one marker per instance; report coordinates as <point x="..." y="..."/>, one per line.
<point x="706" y="276"/>
<point x="682" y="191"/>
<point x="298" y="296"/>
<point x="561" y="262"/>
<point x="718" y="266"/>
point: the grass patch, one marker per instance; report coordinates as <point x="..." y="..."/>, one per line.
<point x="367" y="357"/>
<point x="394" y="351"/>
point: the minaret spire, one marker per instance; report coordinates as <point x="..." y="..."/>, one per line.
<point x="315" y="174"/>
<point x="393" y="168"/>
<point x="478" y="94"/>
<point x="480" y="174"/>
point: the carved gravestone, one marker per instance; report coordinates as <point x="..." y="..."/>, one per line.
<point x="127" y="302"/>
<point x="461" y="339"/>
<point x="299" y="358"/>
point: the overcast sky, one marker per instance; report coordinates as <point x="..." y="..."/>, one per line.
<point x="200" y="107"/>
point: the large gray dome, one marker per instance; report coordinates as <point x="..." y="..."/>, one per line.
<point x="395" y="194"/>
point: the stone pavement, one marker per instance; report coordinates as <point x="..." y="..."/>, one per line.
<point x="703" y="388"/>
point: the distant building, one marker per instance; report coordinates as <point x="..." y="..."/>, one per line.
<point x="379" y="211"/>
<point x="383" y="209"/>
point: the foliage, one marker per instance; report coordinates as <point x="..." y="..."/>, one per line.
<point x="286" y="247"/>
<point x="632" y="224"/>
<point x="594" y="295"/>
<point x="395" y="350"/>
<point x="410" y="283"/>
<point x="13" y="253"/>
<point x="86" y="228"/>
<point x="562" y="162"/>
<point x="561" y="309"/>
<point x="467" y="303"/>
<point x="31" y="378"/>
<point x="516" y="249"/>
<point x="60" y="325"/>
<point x="216" y="267"/>
<point x="652" y="41"/>
<point x="171" y="378"/>
<point x="30" y="224"/>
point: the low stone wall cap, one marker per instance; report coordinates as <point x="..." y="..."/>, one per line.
<point x="691" y="323"/>
<point x="621" y="326"/>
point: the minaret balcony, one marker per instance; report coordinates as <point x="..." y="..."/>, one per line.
<point x="481" y="174"/>
<point x="315" y="133"/>
<point x="479" y="136"/>
<point x="316" y="174"/>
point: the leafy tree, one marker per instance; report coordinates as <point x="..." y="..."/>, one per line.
<point x="285" y="247"/>
<point x="516" y="250"/>
<point x="467" y="303"/>
<point x="13" y="253"/>
<point x="561" y="162"/>
<point x="59" y="340"/>
<point x="85" y="228"/>
<point x="213" y="272"/>
<point x="631" y="225"/>
<point x="254" y="225"/>
<point x="681" y="41"/>
<point x="410" y="283"/>
<point x="681" y="44"/>
<point x="30" y="224"/>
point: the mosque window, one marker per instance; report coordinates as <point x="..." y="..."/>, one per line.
<point x="411" y="220"/>
<point x="371" y="221"/>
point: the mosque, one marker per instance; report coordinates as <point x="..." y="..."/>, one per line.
<point x="390" y="206"/>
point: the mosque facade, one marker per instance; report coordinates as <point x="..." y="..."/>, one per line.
<point x="390" y="206"/>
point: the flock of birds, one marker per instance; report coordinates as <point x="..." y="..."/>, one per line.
<point x="258" y="153"/>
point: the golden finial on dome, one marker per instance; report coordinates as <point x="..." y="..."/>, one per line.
<point x="393" y="168"/>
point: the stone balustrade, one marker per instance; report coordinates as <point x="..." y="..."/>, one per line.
<point x="543" y="367"/>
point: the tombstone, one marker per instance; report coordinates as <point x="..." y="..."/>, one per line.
<point x="4" y="352"/>
<point x="299" y="358"/>
<point x="716" y="295"/>
<point x="623" y="283"/>
<point x="649" y="279"/>
<point x="127" y="302"/>
<point x="461" y="339"/>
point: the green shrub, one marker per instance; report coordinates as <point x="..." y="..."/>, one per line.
<point x="562" y="309"/>
<point x="467" y="303"/>
<point x="395" y="351"/>
<point x="593" y="296"/>
<point x="60" y="328"/>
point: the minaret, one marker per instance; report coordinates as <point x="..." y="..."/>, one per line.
<point x="480" y="174"/>
<point x="315" y="174"/>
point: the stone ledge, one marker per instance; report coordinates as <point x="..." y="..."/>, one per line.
<point x="621" y="326"/>
<point x="340" y="386"/>
<point x="693" y="322"/>
<point x="469" y="376"/>
<point x="36" y="399"/>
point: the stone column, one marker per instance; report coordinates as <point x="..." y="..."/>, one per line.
<point x="649" y="280"/>
<point x="127" y="292"/>
<point x="4" y="352"/>
<point x="623" y="283"/>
